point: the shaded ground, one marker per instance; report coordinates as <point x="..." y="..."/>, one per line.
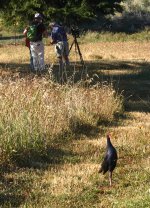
<point x="131" y="78"/>
<point x="11" y="37"/>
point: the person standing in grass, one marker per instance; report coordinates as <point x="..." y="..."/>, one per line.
<point x="35" y="33"/>
<point x="27" y="44"/>
<point x="59" y="38"/>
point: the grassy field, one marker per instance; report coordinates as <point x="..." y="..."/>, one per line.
<point x="86" y="37"/>
<point x="53" y="137"/>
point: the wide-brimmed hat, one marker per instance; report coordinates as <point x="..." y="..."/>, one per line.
<point x="38" y="16"/>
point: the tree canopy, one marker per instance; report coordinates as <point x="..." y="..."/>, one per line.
<point x="67" y="11"/>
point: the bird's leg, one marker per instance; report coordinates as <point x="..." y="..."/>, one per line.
<point x="110" y="178"/>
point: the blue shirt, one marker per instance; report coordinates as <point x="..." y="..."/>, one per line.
<point x="58" y="34"/>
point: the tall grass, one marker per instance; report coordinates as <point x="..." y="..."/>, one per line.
<point x="35" y="112"/>
<point x="115" y="37"/>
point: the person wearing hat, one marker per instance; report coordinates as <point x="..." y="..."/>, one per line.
<point x="35" y="33"/>
<point x="59" y="38"/>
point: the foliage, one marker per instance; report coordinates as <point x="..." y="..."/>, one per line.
<point x="137" y="6"/>
<point x="135" y="17"/>
<point x="65" y="11"/>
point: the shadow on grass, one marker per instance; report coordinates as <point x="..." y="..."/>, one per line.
<point x="14" y="191"/>
<point x="80" y="128"/>
<point x="54" y="153"/>
<point x="131" y="78"/>
<point x="38" y="160"/>
<point x="11" y="200"/>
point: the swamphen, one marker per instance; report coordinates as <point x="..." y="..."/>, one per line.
<point x="110" y="160"/>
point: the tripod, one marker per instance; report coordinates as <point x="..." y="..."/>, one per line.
<point x="77" y="48"/>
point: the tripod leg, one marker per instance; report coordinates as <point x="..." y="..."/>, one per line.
<point x="81" y="58"/>
<point x="84" y="69"/>
<point x="71" y="46"/>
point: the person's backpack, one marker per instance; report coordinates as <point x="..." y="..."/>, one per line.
<point x="32" y="33"/>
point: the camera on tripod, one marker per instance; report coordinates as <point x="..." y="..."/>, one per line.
<point x="75" y="31"/>
<point x="76" y="34"/>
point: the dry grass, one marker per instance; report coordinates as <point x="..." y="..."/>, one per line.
<point x="37" y="114"/>
<point x="70" y="179"/>
<point x="90" y="51"/>
<point x="117" y="51"/>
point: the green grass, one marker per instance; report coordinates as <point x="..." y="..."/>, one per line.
<point x="90" y="37"/>
<point x="114" y="37"/>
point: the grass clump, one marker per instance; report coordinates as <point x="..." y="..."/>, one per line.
<point x="35" y="113"/>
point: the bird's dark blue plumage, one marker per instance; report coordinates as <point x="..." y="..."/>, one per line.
<point x="110" y="159"/>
